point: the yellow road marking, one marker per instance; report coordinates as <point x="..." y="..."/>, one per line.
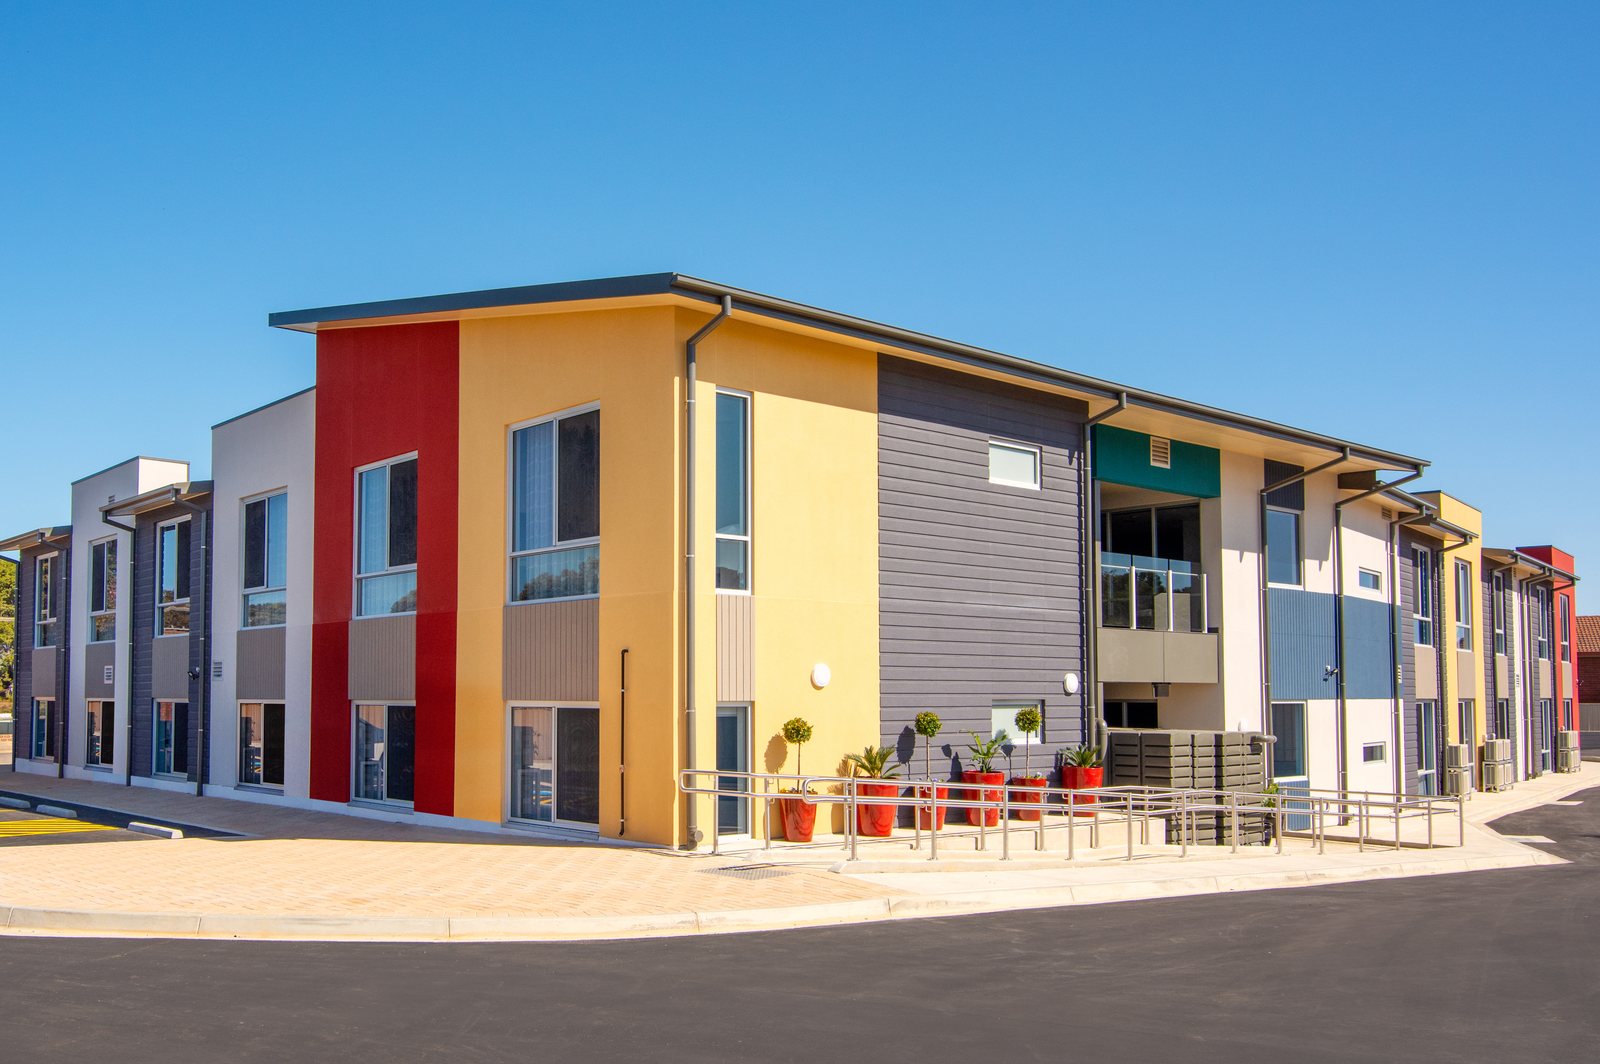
<point x="47" y="827"/>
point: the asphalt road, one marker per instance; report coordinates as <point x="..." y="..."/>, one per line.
<point x="1488" y="966"/>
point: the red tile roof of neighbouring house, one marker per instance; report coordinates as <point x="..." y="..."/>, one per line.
<point x="1589" y="635"/>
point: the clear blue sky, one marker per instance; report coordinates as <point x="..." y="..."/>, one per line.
<point x="1374" y="220"/>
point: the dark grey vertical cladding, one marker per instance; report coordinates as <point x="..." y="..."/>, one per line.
<point x="64" y="662"/>
<point x="979" y="583"/>
<point x="22" y="688"/>
<point x="1408" y="658"/>
<point x="141" y="631"/>
<point x="1485" y="645"/>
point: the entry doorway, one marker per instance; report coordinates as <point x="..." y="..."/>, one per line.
<point x="1290" y="768"/>
<point x="733" y="755"/>
<point x="171" y="739"/>
<point x="1427" y="740"/>
<point x="555" y="765"/>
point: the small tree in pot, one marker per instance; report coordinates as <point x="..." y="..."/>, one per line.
<point x="927" y="725"/>
<point x="1028" y="721"/>
<point x="874" y="818"/>
<point x="799" y="815"/>
<point x="1081" y="770"/>
<point x="983" y="755"/>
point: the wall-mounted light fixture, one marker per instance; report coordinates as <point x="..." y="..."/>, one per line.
<point x="820" y="675"/>
<point x="1162" y="689"/>
<point x="1070" y="683"/>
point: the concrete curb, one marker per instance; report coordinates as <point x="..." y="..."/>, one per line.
<point x="91" y="922"/>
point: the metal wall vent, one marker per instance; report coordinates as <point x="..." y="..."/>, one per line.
<point x="108" y="675"/>
<point x="1388" y="514"/>
<point x="1160" y="452"/>
<point x="216" y="670"/>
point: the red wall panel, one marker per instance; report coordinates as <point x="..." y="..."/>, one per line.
<point x="385" y="391"/>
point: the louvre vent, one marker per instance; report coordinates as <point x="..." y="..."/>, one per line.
<point x="216" y="670"/>
<point x="1160" y="452"/>
<point x="107" y="674"/>
<point x="1388" y="514"/>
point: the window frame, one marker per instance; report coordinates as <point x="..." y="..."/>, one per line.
<point x="103" y="559"/>
<point x="357" y="576"/>
<point x="1366" y="753"/>
<point x="1541" y="627"/>
<point x="1564" y="627"/>
<point x="102" y="754"/>
<point x="240" y="746"/>
<point x="155" y="747"/>
<point x="356" y="798"/>
<point x="1299" y="547"/>
<point x="748" y="539"/>
<point x="1463" y="604"/>
<point x="269" y="588"/>
<point x="1301" y="739"/>
<point x="1377" y="577"/>
<point x="508" y="796"/>
<point x="556" y="544"/>
<point x="159" y="607"/>
<point x="1423" y="596"/>
<point x="46" y="599"/>
<point x="1497" y="588"/>
<point x="1006" y="443"/>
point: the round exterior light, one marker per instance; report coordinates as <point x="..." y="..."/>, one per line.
<point x="820" y="675"/>
<point x="1070" y="683"/>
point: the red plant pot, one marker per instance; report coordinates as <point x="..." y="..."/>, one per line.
<point x="924" y="814"/>
<point x="1028" y="796"/>
<point x="799" y="819"/>
<point x="989" y="817"/>
<point x="874" y="818"/>
<point x="1075" y="779"/>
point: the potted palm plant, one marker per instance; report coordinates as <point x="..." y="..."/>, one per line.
<point x="1028" y="721"/>
<point x="983" y="755"/>
<point x="799" y="814"/>
<point x="875" y="818"/>
<point x="1081" y="770"/>
<point x="927" y="725"/>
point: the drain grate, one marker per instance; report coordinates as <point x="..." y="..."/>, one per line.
<point x="749" y="872"/>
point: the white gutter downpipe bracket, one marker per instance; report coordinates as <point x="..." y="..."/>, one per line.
<point x="694" y="834"/>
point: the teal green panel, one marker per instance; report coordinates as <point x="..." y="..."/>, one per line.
<point x="1123" y="457"/>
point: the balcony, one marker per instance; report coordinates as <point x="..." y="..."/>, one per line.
<point x="1154" y="622"/>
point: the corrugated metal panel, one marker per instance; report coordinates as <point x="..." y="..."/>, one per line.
<point x="169" y="667"/>
<point x="551" y="651"/>
<point x="1368" y="648"/>
<point x="1290" y="496"/>
<point x="41" y="663"/>
<point x="979" y="592"/>
<point x="1302" y="644"/>
<point x="259" y="663"/>
<point x="735" y="648"/>
<point x="96" y="656"/>
<point x="383" y="659"/>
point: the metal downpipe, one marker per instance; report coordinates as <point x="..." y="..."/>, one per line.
<point x="694" y="834"/>
<point x="1090" y="499"/>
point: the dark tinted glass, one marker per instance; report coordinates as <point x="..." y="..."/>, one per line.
<point x="180" y="736"/>
<point x="182" y="559"/>
<point x="1178" y="533"/>
<point x="97" y="578"/>
<point x="272" y="744"/>
<point x="1130" y="533"/>
<point x="1141" y="714"/>
<point x="578" y="765"/>
<point x="401" y="753"/>
<point x="578" y="473"/>
<point x="1283" y="547"/>
<point x="403" y="513"/>
<point x="255" y="544"/>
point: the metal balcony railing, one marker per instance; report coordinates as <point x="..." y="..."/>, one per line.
<point x="1154" y="594"/>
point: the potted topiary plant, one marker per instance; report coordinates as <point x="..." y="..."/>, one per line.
<point x="875" y="818"/>
<point x="1028" y="721"/>
<point x="1081" y="770"/>
<point x="799" y="814"/>
<point x="927" y="725"/>
<point x="983" y="755"/>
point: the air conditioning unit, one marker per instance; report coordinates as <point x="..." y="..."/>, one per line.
<point x="1497" y="750"/>
<point x="1458" y="755"/>
<point x="1566" y="740"/>
<point x="1458" y="782"/>
<point x="1569" y="760"/>
<point x="1497" y="776"/>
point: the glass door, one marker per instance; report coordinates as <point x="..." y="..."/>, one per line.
<point x="172" y="739"/>
<point x="533" y="764"/>
<point x="1290" y="770"/>
<point x="555" y="764"/>
<point x="578" y="765"/>
<point x="733" y="755"/>
<point x="44" y="732"/>
<point x="1427" y="739"/>
<point x="386" y="740"/>
<point x="1547" y="725"/>
<point x="261" y="743"/>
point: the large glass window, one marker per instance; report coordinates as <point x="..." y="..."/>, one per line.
<point x="733" y="755"/>
<point x="1540" y="603"/>
<point x="1283" y="547"/>
<point x="266" y="560"/>
<point x="172" y="578"/>
<point x="1422" y="581"/>
<point x="1289" y="749"/>
<point x="386" y="746"/>
<point x="103" y="591"/>
<point x="555" y="764"/>
<point x="45" y="591"/>
<point x="386" y="539"/>
<point x="1566" y="628"/>
<point x="555" y="508"/>
<point x="1427" y="740"/>
<point x="100" y="720"/>
<point x="261" y="743"/>
<point x="733" y="492"/>
<point x="1463" y="605"/>
<point x="43" y="729"/>
<point x="172" y="739"/>
<point x="1467" y="721"/>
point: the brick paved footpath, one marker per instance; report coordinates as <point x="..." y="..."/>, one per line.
<point x="305" y="863"/>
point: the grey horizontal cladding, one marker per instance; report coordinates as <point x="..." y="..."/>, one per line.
<point x="1303" y="647"/>
<point x="551" y="651"/>
<point x="979" y="584"/>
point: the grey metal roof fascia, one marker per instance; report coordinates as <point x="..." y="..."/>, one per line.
<point x="156" y="498"/>
<point x="33" y="537"/>
<point x="862" y="328"/>
<point x="1550" y="570"/>
<point x="644" y="284"/>
<point x="264" y="406"/>
<point x="135" y="458"/>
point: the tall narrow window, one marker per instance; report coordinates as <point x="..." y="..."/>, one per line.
<point x="266" y="560"/>
<point x="1422" y="577"/>
<point x="555" y="508"/>
<point x="44" y="732"/>
<point x="100" y="719"/>
<point x="1566" y="628"/>
<point x="103" y="591"/>
<point x="386" y="743"/>
<point x="733" y="492"/>
<point x="1289" y="751"/>
<point x="261" y="743"/>
<point x="172" y="578"/>
<point x="1498" y="611"/>
<point x="1463" y="605"/>
<point x="1540" y="604"/>
<point x="1283" y="547"/>
<point x="45" y="591"/>
<point x="386" y="539"/>
<point x="171" y="739"/>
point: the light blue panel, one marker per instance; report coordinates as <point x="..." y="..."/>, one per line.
<point x="1304" y="645"/>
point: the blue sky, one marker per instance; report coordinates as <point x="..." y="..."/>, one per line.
<point x="1378" y="221"/>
